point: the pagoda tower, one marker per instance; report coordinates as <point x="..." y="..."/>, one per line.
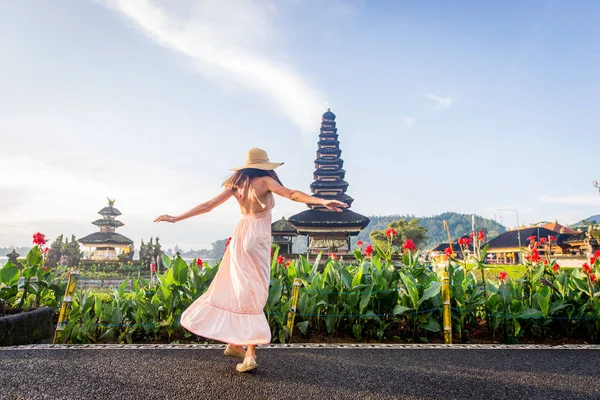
<point x="329" y="231"/>
<point x="103" y="245"/>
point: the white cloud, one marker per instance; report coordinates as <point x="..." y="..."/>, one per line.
<point x="408" y="120"/>
<point x="578" y="199"/>
<point x="229" y="39"/>
<point x="440" y="102"/>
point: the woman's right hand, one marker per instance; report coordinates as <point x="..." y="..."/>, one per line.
<point x="335" y="205"/>
<point x="165" y="218"/>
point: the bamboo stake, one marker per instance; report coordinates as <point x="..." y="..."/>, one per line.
<point x="447" y="317"/>
<point x="292" y="313"/>
<point x="65" y="309"/>
<point x="447" y="313"/>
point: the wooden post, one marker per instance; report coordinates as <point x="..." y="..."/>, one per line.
<point x="447" y="312"/>
<point x="292" y="313"/>
<point x="65" y="309"/>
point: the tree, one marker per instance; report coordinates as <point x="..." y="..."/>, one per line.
<point x="156" y="254"/>
<point x="55" y="252"/>
<point x="404" y="230"/>
<point x="146" y="252"/>
<point x="218" y="248"/>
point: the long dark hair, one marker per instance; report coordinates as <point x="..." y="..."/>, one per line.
<point x="243" y="177"/>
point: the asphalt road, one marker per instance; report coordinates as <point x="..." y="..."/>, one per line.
<point x="402" y="372"/>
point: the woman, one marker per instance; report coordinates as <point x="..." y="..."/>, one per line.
<point x="231" y="310"/>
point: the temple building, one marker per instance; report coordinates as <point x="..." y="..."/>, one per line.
<point x="107" y="244"/>
<point x="329" y="231"/>
<point x="283" y="233"/>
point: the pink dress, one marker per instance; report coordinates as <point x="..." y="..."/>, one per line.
<point x="232" y="309"/>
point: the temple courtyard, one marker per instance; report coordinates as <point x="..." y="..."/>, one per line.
<point x="301" y="372"/>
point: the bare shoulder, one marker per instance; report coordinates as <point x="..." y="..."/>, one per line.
<point x="262" y="181"/>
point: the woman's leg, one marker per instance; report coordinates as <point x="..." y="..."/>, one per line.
<point x="251" y="352"/>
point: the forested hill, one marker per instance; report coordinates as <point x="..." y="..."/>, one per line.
<point x="460" y="224"/>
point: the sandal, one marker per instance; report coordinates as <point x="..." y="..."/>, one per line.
<point x="232" y="352"/>
<point x="248" y="365"/>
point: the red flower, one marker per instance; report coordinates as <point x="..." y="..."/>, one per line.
<point x="556" y="267"/>
<point x="46" y="250"/>
<point x="586" y="268"/>
<point x="543" y="240"/>
<point x="369" y="250"/>
<point x="534" y="256"/>
<point x="287" y="264"/>
<point x="390" y="232"/>
<point x="593" y="260"/>
<point x="359" y="243"/>
<point x="448" y="251"/>
<point x="597" y="254"/>
<point x="39" y="239"/>
<point x="46" y="269"/>
<point x="199" y="262"/>
<point x="545" y="261"/>
<point x="409" y="245"/>
<point x="532" y="238"/>
<point x="333" y="255"/>
<point x="153" y="268"/>
<point x="280" y="260"/>
<point x="593" y="278"/>
<point x="502" y="275"/>
<point x="481" y="236"/>
<point x="464" y="241"/>
<point x="552" y="238"/>
<point x="472" y="234"/>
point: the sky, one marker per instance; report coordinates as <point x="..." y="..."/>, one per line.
<point x="465" y="106"/>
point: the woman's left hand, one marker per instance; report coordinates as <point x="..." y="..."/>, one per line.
<point x="165" y="218"/>
<point x="335" y="205"/>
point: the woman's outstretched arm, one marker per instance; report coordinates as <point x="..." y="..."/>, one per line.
<point x="297" y="195"/>
<point x="199" y="209"/>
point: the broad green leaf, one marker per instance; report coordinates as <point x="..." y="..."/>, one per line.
<point x="365" y="298"/>
<point x="529" y="313"/>
<point x="431" y="291"/>
<point x="180" y="271"/>
<point x="516" y="326"/>
<point x="413" y="293"/>
<point x="357" y="278"/>
<point x="432" y="325"/>
<point x="34" y="257"/>
<point x="371" y="315"/>
<point x="543" y="298"/>
<point x="357" y="331"/>
<point x="346" y="279"/>
<point x="557" y="306"/>
<point x="400" y="309"/>
<point x="303" y="327"/>
<point x="274" y="293"/>
<point x="166" y="260"/>
<point x="9" y="274"/>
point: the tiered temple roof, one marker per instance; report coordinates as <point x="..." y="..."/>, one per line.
<point x="107" y="224"/>
<point x="329" y="184"/>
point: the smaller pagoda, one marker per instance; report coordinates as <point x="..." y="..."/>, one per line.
<point x="283" y="234"/>
<point x="107" y="244"/>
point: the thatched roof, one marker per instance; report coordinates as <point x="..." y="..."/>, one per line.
<point x="108" y="238"/>
<point x="283" y="227"/>
<point x="109" y="211"/>
<point x="108" y="222"/>
<point x="329" y="220"/>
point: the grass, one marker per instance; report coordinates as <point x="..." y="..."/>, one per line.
<point x="492" y="271"/>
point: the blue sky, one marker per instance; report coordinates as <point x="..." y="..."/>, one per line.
<point x="441" y="106"/>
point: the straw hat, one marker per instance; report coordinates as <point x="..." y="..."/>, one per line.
<point x="257" y="158"/>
